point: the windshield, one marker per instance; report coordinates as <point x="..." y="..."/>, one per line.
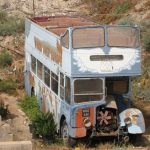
<point x="123" y="37"/>
<point x="86" y="90"/>
<point x="88" y="37"/>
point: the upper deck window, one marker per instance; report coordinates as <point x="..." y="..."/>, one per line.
<point x="88" y="37"/>
<point x="123" y="37"/>
<point x="65" y="40"/>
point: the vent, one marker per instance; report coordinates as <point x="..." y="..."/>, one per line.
<point x="106" y="57"/>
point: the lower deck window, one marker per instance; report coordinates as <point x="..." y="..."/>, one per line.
<point x="88" y="90"/>
<point x="47" y="76"/>
<point x="54" y="82"/>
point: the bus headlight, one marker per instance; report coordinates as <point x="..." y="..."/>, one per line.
<point x="127" y="120"/>
<point x="87" y="122"/>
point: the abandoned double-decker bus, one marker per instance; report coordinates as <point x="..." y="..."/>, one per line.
<point x="81" y="72"/>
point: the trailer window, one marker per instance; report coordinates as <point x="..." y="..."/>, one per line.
<point x="123" y="37"/>
<point x="88" y="90"/>
<point x="61" y="86"/>
<point x="88" y="37"/>
<point x="47" y="76"/>
<point x="39" y="69"/>
<point x="33" y="64"/>
<point x="67" y="90"/>
<point x="54" y="82"/>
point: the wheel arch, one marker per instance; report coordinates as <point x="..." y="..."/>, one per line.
<point x="62" y="118"/>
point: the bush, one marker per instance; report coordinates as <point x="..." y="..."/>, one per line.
<point x="5" y="58"/>
<point x="43" y="124"/>
<point x="30" y="106"/>
<point x="7" y="86"/>
<point x="10" y="25"/>
<point x="146" y="41"/>
<point x="122" y="8"/>
<point x="126" y="21"/>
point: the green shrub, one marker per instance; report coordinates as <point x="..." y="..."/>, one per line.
<point x="126" y="21"/>
<point x="10" y="25"/>
<point x="7" y="86"/>
<point x="43" y="124"/>
<point x="30" y="106"/>
<point x="3" y="16"/>
<point x="123" y="7"/>
<point x="5" y="58"/>
<point x="146" y="41"/>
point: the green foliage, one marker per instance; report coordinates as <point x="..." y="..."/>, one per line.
<point x="44" y="125"/>
<point x="7" y="86"/>
<point x="126" y="21"/>
<point x="3" y="110"/>
<point x="3" y="16"/>
<point x="141" y="84"/>
<point x="10" y="25"/>
<point x="5" y="58"/>
<point x="30" y="106"/>
<point x="123" y="7"/>
<point x="146" y="41"/>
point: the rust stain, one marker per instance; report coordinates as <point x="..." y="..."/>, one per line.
<point x="80" y="132"/>
<point x="79" y="118"/>
<point x="38" y="43"/>
<point x="54" y="53"/>
<point x="31" y="80"/>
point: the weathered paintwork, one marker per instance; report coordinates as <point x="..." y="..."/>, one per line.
<point x="43" y="41"/>
<point x="137" y="125"/>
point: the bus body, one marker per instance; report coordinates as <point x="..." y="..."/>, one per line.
<point x="81" y="72"/>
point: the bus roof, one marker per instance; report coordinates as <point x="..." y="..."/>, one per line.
<point x="59" y="24"/>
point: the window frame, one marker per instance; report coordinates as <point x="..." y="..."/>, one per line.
<point x="47" y="73"/>
<point x="61" y="86"/>
<point x="103" y="90"/>
<point x="61" y="39"/>
<point x="70" y="100"/>
<point x="85" y="28"/>
<point x="121" y="26"/>
<point x="35" y="70"/>
<point x="56" y="80"/>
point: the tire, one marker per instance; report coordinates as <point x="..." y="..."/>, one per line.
<point x="68" y="141"/>
<point x="135" y="139"/>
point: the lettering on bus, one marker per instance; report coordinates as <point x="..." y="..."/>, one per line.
<point x="54" y="53"/>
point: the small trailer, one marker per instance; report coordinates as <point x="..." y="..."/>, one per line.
<point x="81" y="72"/>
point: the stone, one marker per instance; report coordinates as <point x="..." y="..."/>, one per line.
<point x="16" y="145"/>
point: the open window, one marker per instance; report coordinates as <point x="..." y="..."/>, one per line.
<point x="117" y="85"/>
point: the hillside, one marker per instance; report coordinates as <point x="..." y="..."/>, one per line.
<point x="12" y="15"/>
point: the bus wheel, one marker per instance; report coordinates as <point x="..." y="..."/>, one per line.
<point x="65" y="135"/>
